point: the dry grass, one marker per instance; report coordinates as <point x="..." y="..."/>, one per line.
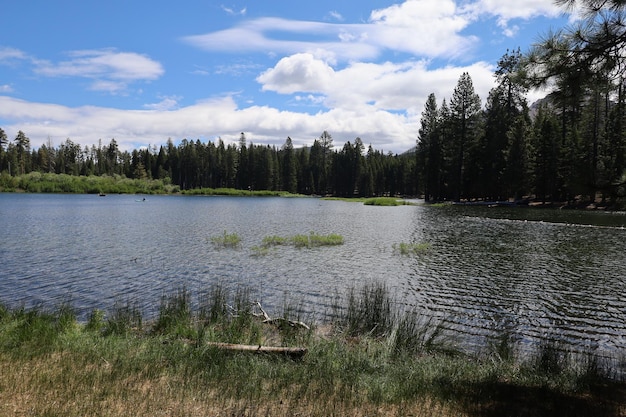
<point x="41" y="387"/>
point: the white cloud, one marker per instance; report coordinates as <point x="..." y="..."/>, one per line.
<point x="234" y="12"/>
<point x="519" y="9"/>
<point x="6" y="88"/>
<point x="423" y="28"/>
<point x="335" y="15"/>
<point x="167" y="103"/>
<point x="387" y="86"/>
<point x="505" y="11"/>
<point x="9" y="56"/>
<point x="110" y="69"/>
<point x="297" y="73"/>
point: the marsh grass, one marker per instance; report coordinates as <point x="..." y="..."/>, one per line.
<point x="226" y="240"/>
<point x="299" y="241"/>
<point x="123" y="319"/>
<point x="275" y="241"/>
<point x="316" y="240"/>
<point x="411" y="248"/>
<point x="51" y="365"/>
<point x="385" y="201"/>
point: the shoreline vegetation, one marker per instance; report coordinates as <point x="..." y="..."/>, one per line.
<point x="366" y="358"/>
<point x="37" y="182"/>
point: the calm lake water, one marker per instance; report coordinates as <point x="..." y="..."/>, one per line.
<point x="533" y="273"/>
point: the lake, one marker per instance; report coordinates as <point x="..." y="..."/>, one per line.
<point x="532" y="273"/>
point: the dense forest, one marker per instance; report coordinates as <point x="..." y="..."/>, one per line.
<point x="570" y="146"/>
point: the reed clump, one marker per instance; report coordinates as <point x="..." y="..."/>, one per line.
<point x="387" y="361"/>
<point x="226" y="240"/>
<point x="311" y="240"/>
<point x="411" y="248"/>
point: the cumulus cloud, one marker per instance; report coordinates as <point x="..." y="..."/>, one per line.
<point x="386" y="86"/>
<point x="297" y="73"/>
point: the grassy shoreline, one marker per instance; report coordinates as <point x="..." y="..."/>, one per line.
<point x="368" y="360"/>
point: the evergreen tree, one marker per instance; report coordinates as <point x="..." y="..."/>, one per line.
<point x="465" y="112"/>
<point x="22" y="148"/>
<point x="288" y="167"/>
<point x="3" y="143"/>
<point x="429" y="152"/>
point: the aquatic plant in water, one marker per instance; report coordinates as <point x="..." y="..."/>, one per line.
<point x="299" y="241"/>
<point x="411" y="248"/>
<point x="226" y="240"/>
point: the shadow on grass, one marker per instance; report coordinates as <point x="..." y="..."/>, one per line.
<point x="496" y="399"/>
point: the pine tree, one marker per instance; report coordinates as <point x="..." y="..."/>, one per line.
<point x="465" y="112"/>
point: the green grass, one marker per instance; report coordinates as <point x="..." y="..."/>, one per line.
<point x="372" y="358"/>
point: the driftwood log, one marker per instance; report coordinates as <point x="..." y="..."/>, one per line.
<point x="278" y="321"/>
<point x="292" y="352"/>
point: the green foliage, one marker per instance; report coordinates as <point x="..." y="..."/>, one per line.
<point x="36" y="182"/>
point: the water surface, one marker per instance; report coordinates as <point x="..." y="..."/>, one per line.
<point x="533" y="273"/>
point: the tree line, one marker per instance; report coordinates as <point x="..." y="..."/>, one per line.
<point x="317" y="169"/>
<point x="571" y="145"/>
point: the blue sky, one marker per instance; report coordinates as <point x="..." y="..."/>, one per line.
<point x="143" y="72"/>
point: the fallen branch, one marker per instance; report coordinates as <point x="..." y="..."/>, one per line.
<point x="279" y="320"/>
<point x="293" y="352"/>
